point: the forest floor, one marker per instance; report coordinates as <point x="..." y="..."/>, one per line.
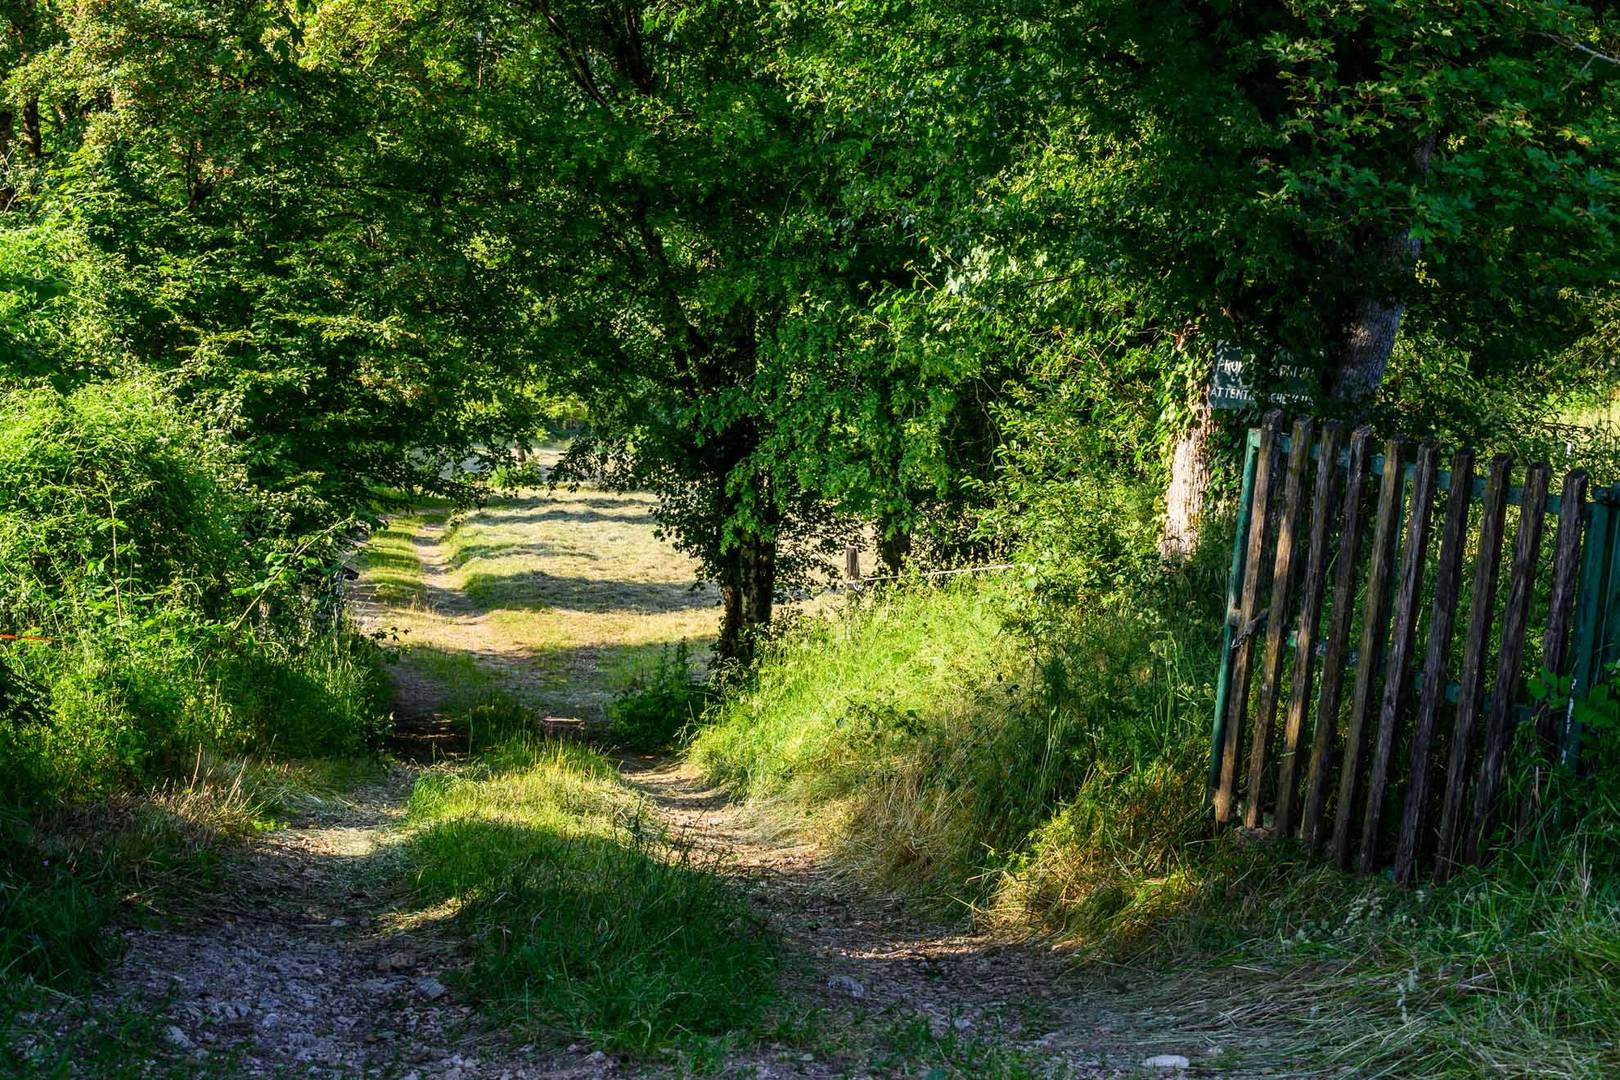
<point x="314" y="960"/>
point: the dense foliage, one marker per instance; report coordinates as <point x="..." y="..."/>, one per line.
<point x="803" y="265"/>
<point x="152" y="624"/>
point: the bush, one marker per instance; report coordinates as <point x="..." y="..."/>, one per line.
<point x="659" y="705"/>
<point x="176" y="619"/>
<point x="113" y="503"/>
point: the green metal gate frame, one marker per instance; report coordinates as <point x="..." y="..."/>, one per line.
<point x="1594" y="643"/>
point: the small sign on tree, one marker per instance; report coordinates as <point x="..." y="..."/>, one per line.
<point x="1232" y="386"/>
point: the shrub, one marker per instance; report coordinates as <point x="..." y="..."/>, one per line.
<point x="176" y="618"/>
<point x="660" y="704"/>
<point x="113" y="503"/>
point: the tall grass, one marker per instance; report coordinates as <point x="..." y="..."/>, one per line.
<point x="1045" y="763"/>
<point x="929" y="741"/>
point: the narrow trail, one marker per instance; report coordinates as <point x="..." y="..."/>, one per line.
<point x="312" y="961"/>
<point x="866" y="962"/>
<point x="871" y="961"/>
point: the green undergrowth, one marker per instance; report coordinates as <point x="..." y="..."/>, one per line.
<point x="1506" y="971"/>
<point x="1040" y="764"/>
<point x="929" y="743"/>
<point x="126" y="1042"/>
<point x="660" y="704"/>
<point x="161" y="613"/>
<point x="588" y="919"/>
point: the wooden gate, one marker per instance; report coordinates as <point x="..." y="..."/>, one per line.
<point x="1388" y="751"/>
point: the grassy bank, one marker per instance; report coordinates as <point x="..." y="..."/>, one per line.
<point x="1044" y="763"/>
<point x="930" y="743"/>
<point x="590" y="921"/>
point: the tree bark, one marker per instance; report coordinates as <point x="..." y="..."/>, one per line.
<point x="1375" y="322"/>
<point x="1189" y="485"/>
<point x="1375" y="318"/>
<point x="894" y="547"/>
<point x="749" y="590"/>
<point x="33" y="136"/>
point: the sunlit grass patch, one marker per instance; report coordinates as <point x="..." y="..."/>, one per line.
<point x="588" y="919"/>
<point x="580" y="584"/>
<point x="390" y="564"/>
<point x="876" y="724"/>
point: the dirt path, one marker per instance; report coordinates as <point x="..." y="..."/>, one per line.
<point x="865" y="963"/>
<point x="878" y="968"/>
<point x="312" y="962"/>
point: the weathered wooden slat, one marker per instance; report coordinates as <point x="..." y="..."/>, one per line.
<point x="1338" y="639"/>
<point x="1375" y="624"/>
<point x="1561" y="607"/>
<point x="1314" y="589"/>
<point x="1594" y="605"/>
<point x="1408" y="606"/>
<point x="1552" y="713"/>
<point x="1476" y="644"/>
<point x="1442" y="618"/>
<point x="1243" y="641"/>
<point x="1499" y="721"/>
<point x="1283" y="575"/>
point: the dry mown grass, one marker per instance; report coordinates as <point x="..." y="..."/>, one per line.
<point x="563" y="596"/>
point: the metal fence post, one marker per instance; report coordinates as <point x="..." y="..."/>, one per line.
<point x="1597" y="626"/>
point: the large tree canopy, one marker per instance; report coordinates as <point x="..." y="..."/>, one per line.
<point x="805" y="265"/>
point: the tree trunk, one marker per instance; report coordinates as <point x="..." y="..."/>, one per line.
<point x="749" y="591"/>
<point x="33" y="136"/>
<point x="1375" y="319"/>
<point x="1370" y="336"/>
<point x="1189" y="484"/>
<point x="894" y="547"/>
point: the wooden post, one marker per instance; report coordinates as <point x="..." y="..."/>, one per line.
<point x="1592" y="609"/>
<point x="1442" y="617"/>
<point x="1234" y="589"/>
<point x="1375" y="625"/>
<point x="1499" y="722"/>
<point x="1471" y="689"/>
<point x="1407" y="609"/>
<point x="1561" y="608"/>
<point x="1338" y="640"/>
<point x="1314" y="590"/>
<point x="1284" y="571"/>
<point x="852" y="563"/>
